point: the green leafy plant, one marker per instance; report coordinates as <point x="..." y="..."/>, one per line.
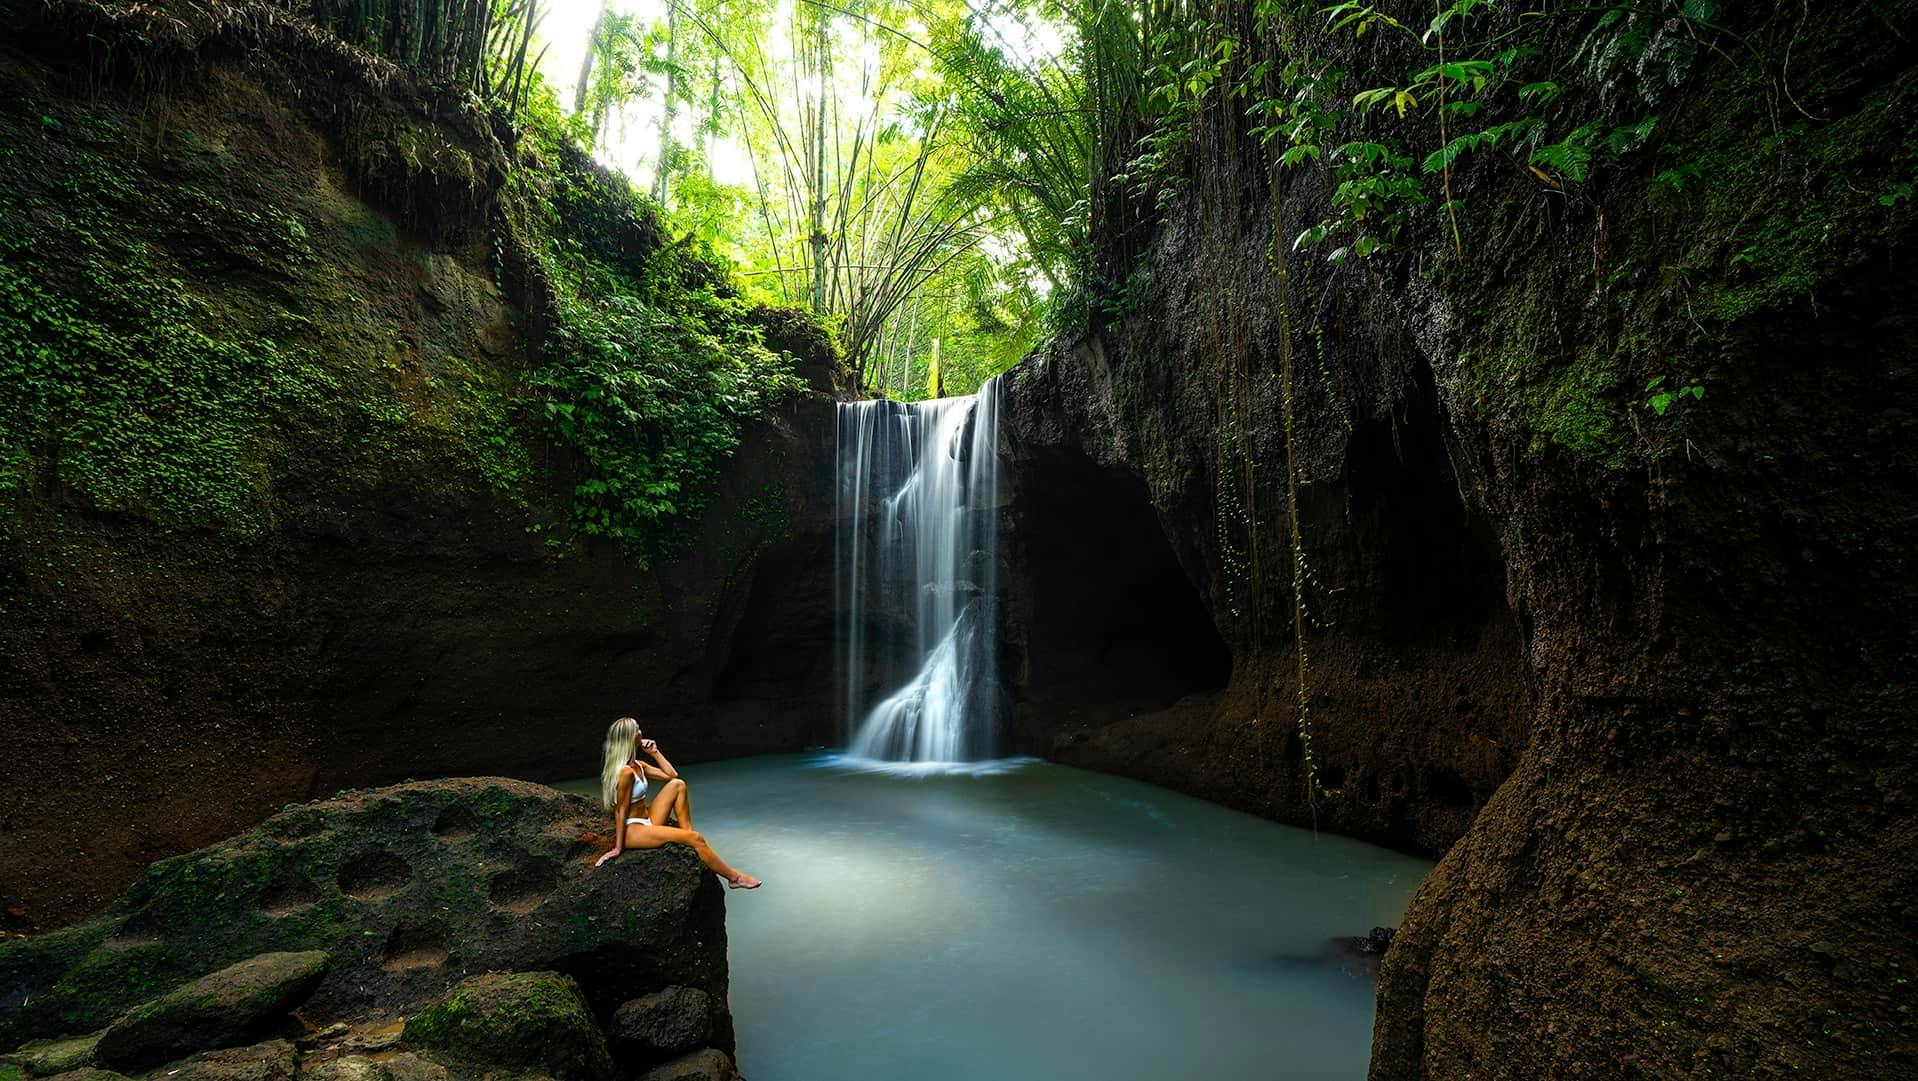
<point x="652" y="363"/>
<point x="1664" y="396"/>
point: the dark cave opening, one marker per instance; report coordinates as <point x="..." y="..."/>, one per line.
<point x="1102" y="620"/>
<point x="1435" y="565"/>
<point x="772" y="662"/>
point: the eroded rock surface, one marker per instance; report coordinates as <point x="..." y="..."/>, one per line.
<point x="409" y="890"/>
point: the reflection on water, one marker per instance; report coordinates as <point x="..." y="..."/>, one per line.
<point x="1031" y="922"/>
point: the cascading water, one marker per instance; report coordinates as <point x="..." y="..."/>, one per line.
<point x="918" y="541"/>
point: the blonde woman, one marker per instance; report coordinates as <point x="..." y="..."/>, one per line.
<point x="624" y="782"/>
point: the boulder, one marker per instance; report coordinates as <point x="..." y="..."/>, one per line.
<point x="89" y="1073"/>
<point x="662" y="1025"/>
<point x="51" y="1057"/>
<point x="519" y="1020"/>
<point x="407" y="889"/>
<point x="704" y="1065"/>
<point x="1378" y="942"/>
<point x="274" y="1060"/>
<point x="394" y="1066"/>
<point x="221" y="1009"/>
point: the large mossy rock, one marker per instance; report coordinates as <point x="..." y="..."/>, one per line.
<point x="274" y="1060"/>
<point x="50" y="1057"/>
<point x="221" y="1009"/>
<point x="408" y="889"/>
<point x="534" y="1021"/>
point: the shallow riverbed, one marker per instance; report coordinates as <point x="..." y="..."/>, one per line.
<point x="1031" y="922"/>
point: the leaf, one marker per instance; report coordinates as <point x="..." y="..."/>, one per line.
<point x="1654" y="383"/>
<point x="1473" y="73"/>
<point x="1302" y="152"/>
<point x="1629" y="137"/>
<point x="1569" y="157"/>
<point x="1444" y="156"/>
<point x="1314" y="235"/>
<point x="1366" y="100"/>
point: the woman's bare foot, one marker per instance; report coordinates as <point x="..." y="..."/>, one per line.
<point x="743" y="882"/>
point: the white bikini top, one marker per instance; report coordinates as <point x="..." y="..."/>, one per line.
<point x="639" y="783"/>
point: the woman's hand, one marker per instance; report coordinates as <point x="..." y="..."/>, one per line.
<point x="649" y="746"/>
<point x="607" y="856"/>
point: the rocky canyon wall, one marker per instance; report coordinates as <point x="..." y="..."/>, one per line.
<point x="323" y="542"/>
<point x="1641" y="674"/>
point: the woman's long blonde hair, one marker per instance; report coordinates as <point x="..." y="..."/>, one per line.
<point x="619" y="751"/>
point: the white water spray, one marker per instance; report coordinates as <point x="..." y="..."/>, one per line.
<point x="918" y="538"/>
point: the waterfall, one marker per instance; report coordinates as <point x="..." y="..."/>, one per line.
<point x="917" y="543"/>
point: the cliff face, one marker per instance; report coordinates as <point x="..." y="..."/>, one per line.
<point x="1153" y="620"/>
<point x="1648" y="669"/>
<point x="296" y="527"/>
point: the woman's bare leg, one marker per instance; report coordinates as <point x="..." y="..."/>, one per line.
<point x="675" y="799"/>
<point x="683" y="809"/>
<point x="638" y="836"/>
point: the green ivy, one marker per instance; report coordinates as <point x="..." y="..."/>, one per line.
<point x="652" y="365"/>
<point x="127" y="391"/>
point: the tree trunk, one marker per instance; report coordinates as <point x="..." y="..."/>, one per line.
<point x="595" y="41"/>
<point x="662" y="174"/>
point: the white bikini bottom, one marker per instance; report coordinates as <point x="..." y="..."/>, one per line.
<point x="639" y="821"/>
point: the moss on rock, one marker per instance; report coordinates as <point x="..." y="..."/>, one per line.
<point x="404" y="888"/>
<point x="528" y="1020"/>
<point x="274" y="1060"/>
<point x="86" y="1073"/>
<point x="221" y="1009"/>
<point x="48" y="1057"/>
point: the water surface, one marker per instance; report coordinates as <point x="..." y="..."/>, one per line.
<point x="1032" y="922"/>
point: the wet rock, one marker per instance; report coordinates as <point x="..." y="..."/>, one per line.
<point x="398" y="1066"/>
<point x="51" y="1057"/>
<point x="274" y="1060"/>
<point x="89" y="1073"/>
<point x="662" y="1025"/>
<point x="335" y="1031"/>
<point x="1377" y="942"/>
<point x="703" y="1065"/>
<point x="524" y="1020"/>
<point x="221" y="1009"/>
<point x="406" y="889"/>
<point x="374" y="1039"/>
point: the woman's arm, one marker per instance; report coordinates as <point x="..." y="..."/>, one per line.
<point x="619" y="816"/>
<point x="664" y="770"/>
